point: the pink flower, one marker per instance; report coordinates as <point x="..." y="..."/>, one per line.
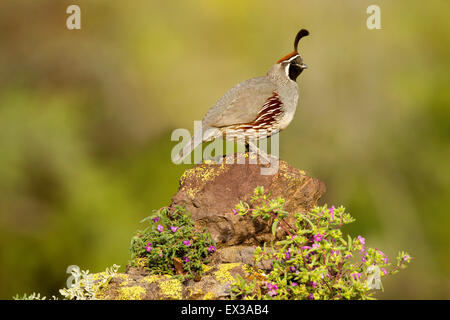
<point x="356" y="275"/>
<point x="156" y="219"/>
<point x="186" y="259"/>
<point x="311" y="296"/>
<point x="361" y="240"/>
<point x="384" y="271"/>
<point x="148" y="247"/>
<point x="318" y="237"/>
<point x="174" y="229"/>
<point x="160" y="228"/>
<point x="211" y="249"/>
<point x="331" y="211"/>
<point x="187" y="243"/>
<point x="406" y="258"/>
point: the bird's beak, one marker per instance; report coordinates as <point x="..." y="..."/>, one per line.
<point x="303" y="66"/>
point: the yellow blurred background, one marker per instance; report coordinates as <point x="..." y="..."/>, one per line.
<point x="86" y="117"/>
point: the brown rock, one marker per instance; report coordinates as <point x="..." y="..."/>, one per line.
<point x="210" y="192"/>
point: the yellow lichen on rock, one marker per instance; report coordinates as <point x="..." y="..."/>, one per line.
<point x="223" y="273"/>
<point x="131" y="293"/>
<point x="150" y="279"/>
<point x="171" y="288"/>
<point x="209" y="296"/>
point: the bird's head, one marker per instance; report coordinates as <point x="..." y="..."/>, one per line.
<point x="292" y="63"/>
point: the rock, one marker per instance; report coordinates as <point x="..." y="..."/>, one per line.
<point x="210" y="192"/>
<point x="214" y="284"/>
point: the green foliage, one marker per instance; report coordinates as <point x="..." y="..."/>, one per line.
<point x="85" y="286"/>
<point x="171" y="245"/>
<point x="315" y="260"/>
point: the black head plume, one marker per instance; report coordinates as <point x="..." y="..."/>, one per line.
<point x="302" y="33"/>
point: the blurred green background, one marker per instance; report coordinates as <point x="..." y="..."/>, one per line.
<point x="86" y="117"/>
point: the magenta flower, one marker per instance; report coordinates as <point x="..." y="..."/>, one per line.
<point x="348" y="256"/>
<point x="148" y="247"/>
<point x="160" y="228"/>
<point x="306" y="247"/>
<point x="294" y="284"/>
<point x="356" y="275"/>
<point x="311" y="296"/>
<point x="314" y="284"/>
<point x="187" y="243"/>
<point x="287" y="255"/>
<point x="186" y="259"/>
<point x="316" y="245"/>
<point x="272" y="289"/>
<point x="318" y="237"/>
<point x="386" y="260"/>
<point x="235" y="212"/>
<point x="211" y="249"/>
<point x="361" y="240"/>
<point x="384" y="271"/>
<point x="331" y="211"/>
<point x="406" y="258"/>
<point x="292" y="269"/>
<point x="335" y="252"/>
<point x="155" y="220"/>
<point x="174" y="229"/>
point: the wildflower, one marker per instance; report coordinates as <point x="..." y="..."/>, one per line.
<point x="174" y="229"/>
<point x="306" y="247"/>
<point x="148" y="247"/>
<point x="384" y="271"/>
<point x="361" y="240"/>
<point x="187" y="243"/>
<point x="211" y="249"/>
<point x="331" y="211"/>
<point x="313" y="284"/>
<point x="160" y="228"/>
<point x="362" y="249"/>
<point x="287" y="255"/>
<point x="235" y="212"/>
<point x="348" y="256"/>
<point x="335" y="252"/>
<point x="294" y="284"/>
<point x="292" y="269"/>
<point x="386" y="260"/>
<point x="186" y="259"/>
<point x="406" y="258"/>
<point x="356" y="275"/>
<point x="315" y="245"/>
<point x="318" y="237"/>
<point x="156" y="219"/>
<point x="272" y="289"/>
<point x="311" y="296"/>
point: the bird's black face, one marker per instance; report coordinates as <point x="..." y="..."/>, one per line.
<point x="295" y="67"/>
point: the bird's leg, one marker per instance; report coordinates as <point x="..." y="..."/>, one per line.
<point x="267" y="159"/>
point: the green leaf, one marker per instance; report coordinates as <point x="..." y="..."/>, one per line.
<point x="274" y="227"/>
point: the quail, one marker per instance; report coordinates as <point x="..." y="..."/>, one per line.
<point x="256" y="108"/>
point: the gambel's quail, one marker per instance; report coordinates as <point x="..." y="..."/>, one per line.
<point x="256" y="108"/>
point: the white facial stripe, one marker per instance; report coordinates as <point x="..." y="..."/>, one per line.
<point x="292" y="58"/>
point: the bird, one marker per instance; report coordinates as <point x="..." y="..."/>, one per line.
<point x="256" y="108"/>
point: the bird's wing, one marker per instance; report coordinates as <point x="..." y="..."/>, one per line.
<point x="241" y="104"/>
